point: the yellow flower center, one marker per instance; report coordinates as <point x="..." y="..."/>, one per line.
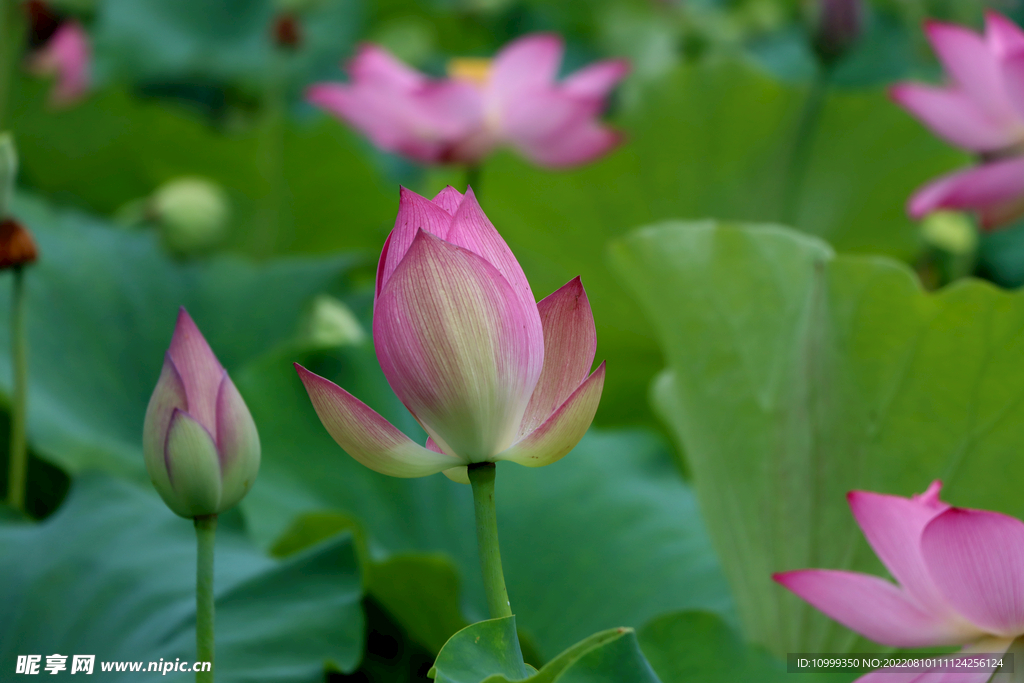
<point x="475" y="70"/>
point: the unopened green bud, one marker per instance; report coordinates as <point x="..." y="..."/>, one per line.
<point x="950" y="231"/>
<point x="193" y="214"/>
<point x="332" y="323"/>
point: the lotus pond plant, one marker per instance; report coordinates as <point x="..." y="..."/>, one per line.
<point x="202" y="453"/>
<point x="490" y="373"/>
<point x="514" y="100"/>
<point x="981" y="110"/>
<point x="960" y="580"/>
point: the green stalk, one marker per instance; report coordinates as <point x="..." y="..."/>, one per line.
<point x="796" y="171"/>
<point x="12" y="37"/>
<point x="271" y="148"/>
<point x="19" y="361"/>
<point x="206" y="530"/>
<point x="481" y="476"/>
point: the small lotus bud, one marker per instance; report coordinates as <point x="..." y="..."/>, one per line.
<point x="200" y="442"/>
<point x="332" y="323"/>
<point x="17" y="248"/>
<point x="838" y="25"/>
<point x="193" y="214"/>
<point x="950" y="231"/>
<point x="287" y="31"/>
<point x="8" y="172"/>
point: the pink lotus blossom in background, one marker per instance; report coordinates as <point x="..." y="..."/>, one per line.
<point x="487" y="371"/>
<point x="980" y="110"/>
<point x="959" y="574"/>
<point x="514" y="100"/>
<point x="67" y="56"/>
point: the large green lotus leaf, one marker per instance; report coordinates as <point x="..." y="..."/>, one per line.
<point x="698" y="647"/>
<point x="613" y="515"/>
<point x="711" y="140"/>
<point x="796" y="375"/>
<point x="112" y="574"/>
<point x="113" y="148"/>
<point x="488" y="652"/>
<point x="101" y="308"/>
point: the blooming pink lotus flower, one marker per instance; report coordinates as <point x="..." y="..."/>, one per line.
<point x="489" y="373"/>
<point x="981" y="110"/>
<point x="200" y="443"/>
<point x="514" y="100"/>
<point x="960" y="574"/>
<point x="67" y="56"/>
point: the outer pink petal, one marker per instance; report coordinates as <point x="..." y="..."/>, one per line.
<point x="1013" y="77"/>
<point x="596" y="80"/>
<point x="580" y="145"/>
<point x="199" y="369"/>
<point x="448" y="199"/>
<point x="570" y="342"/>
<point x="472" y="230"/>
<point x="415" y="213"/>
<point x="986" y="646"/>
<point x="238" y="444"/>
<point x="560" y="433"/>
<point x="366" y="436"/>
<point x="976" y="558"/>
<point x="375" y="64"/>
<point x="1002" y="35"/>
<point x="460" y="475"/>
<point x="524" y="65"/>
<point x="968" y="59"/>
<point x="953" y="115"/>
<point x="874" y="608"/>
<point x="994" y="190"/>
<point x="168" y="396"/>
<point x="458" y="347"/>
<point x="893" y="526"/>
<point x="541" y="117"/>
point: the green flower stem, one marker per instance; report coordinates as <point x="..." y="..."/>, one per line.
<point x="206" y="530"/>
<point x="18" y="471"/>
<point x="12" y="37"/>
<point x="266" y="232"/>
<point x="481" y="476"/>
<point x="807" y="126"/>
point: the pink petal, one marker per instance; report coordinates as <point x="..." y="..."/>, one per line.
<point x="524" y="65"/>
<point x="570" y="342"/>
<point x="238" y="444"/>
<point x="168" y="396"/>
<point x="973" y="66"/>
<point x="976" y="558"/>
<point x="893" y="526"/>
<point x="580" y="145"/>
<point x="560" y="433"/>
<point x="67" y="55"/>
<point x="448" y="199"/>
<point x="1012" y="67"/>
<point x="1003" y="36"/>
<point x="415" y="213"/>
<point x="375" y="64"/>
<point x="458" y="347"/>
<point x="596" y="80"/>
<point x="542" y="117"/>
<point x="472" y="230"/>
<point x="199" y="369"/>
<point x="874" y="608"/>
<point x="953" y="115"/>
<point x="980" y="674"/>
<point x="994" y="190"/>
<point x="365" y="435"/>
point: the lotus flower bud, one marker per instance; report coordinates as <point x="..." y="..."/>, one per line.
<point x="193" y="214"/>
<point x="950" y="231"/>
<point x="489" y="372"/>
<point x="331" y="323"/>
<point x="838" y="25"/>
<point x="200" y="442"/>
<point x="67" y="56"/>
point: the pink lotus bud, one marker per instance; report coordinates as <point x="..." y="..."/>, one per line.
<point x="514" y="100"/>
<point x="489" y="373"/>
<point x="959" y="574"/>
<point x="200" y="442"/>
<point x="982" y="110"/>
<point x="67" y="56"/>
<point x="838" y="25"/>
